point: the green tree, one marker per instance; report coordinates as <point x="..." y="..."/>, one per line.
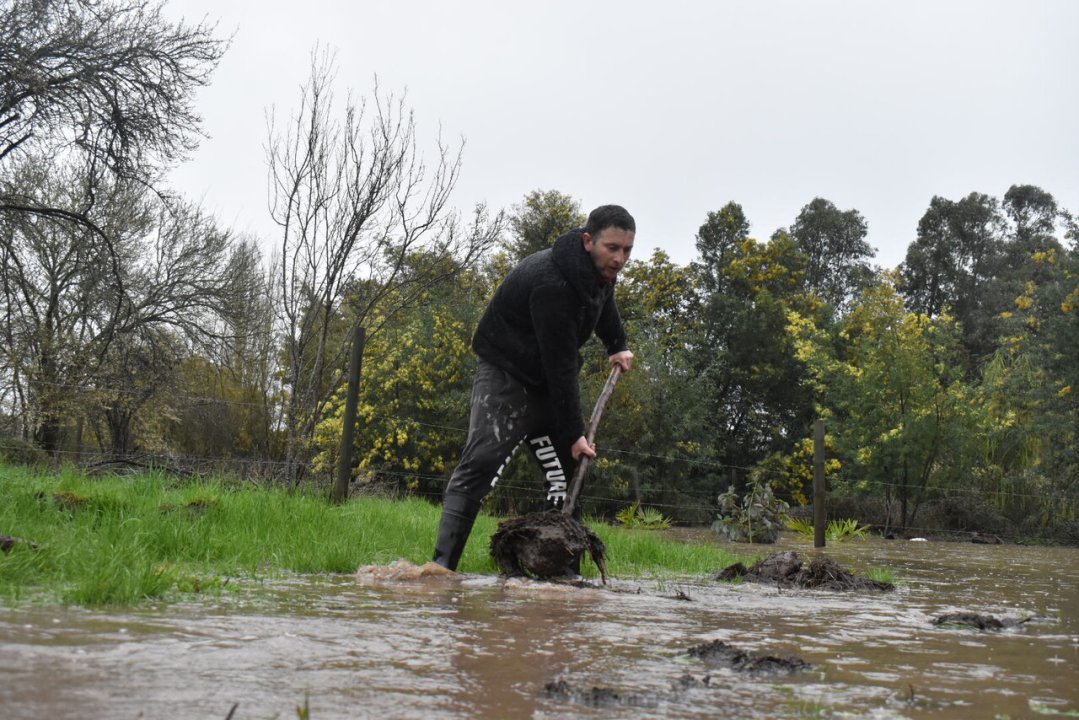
<point x="742" y="357"/>
<point x="414" y="393"/>
<point x="952" y="265"/>
<point x="656" y="411"/>
<point x="539" y="219"/>
<point x="1029" y="442"/>
<point x="837" y="255"/>
<point x="892" y="396"/>
<point x="719" y="240"/>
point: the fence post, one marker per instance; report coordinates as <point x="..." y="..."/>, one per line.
<point x="348" y="431"/>
<point x="819" y="515"/>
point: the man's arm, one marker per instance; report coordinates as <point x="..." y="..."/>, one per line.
<point x="553" y="315"/>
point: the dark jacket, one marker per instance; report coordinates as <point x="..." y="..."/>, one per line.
<point x="541" y="315"/>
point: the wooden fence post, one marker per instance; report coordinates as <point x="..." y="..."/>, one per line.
<point x="819" y="515"/>
<point x="348" y="431"/>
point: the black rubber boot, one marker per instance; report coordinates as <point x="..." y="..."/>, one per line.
<point x="458" y="516"/>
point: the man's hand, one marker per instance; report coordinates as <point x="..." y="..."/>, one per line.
<point x="624" y="360"/>
<point x="581" y="447"/>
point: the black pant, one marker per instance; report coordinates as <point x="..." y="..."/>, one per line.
<point x="505" y="414"/>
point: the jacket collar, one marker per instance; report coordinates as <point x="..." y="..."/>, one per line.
<point x="575" y="264"/>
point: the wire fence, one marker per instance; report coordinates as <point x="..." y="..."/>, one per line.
<point x="674" y="500"/>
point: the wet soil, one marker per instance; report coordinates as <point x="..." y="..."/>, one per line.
<point x="787" y="570"/>
<point x="715" y="654"/>
<point x="545" y="545"/>
<point x="718" y="652"/>
<point x="978" y="621"/>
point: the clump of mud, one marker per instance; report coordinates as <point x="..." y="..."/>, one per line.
<point x="596" y="697"/>
<point x="402" y="570"/>
<point x="981" y="622"/>
<point x="715" y="653"/>
<point x="718" y="652"/>
<point x="8" y="542"/>
<point x="544" y="544"/>
<point x="787" y="570"/>
<point x="604" y="697"/>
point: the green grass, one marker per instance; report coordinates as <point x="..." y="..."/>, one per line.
<point x="881" y="575"/>
<point x="121" y="541"/>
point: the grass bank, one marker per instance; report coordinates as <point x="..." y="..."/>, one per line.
<point x="123" y="540"/>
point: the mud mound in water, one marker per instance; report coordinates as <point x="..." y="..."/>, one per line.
<point x="402" y="570"/>
<point x="787" y="570"/>
<point x="544" y="544"/>
<point x="718" y="652"/>
<point x="596" y="697"/>
<point x="981" y="622"/>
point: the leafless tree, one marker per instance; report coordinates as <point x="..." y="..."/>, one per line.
<point x="63" y="305"/>
<point x="354" y="200"/>
<point x="105" y="84"/>
<point x="114" y="80"/>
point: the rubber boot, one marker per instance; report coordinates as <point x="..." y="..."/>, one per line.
<point x="458" y="516"/>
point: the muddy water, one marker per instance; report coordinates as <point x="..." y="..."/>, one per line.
<point x="478" y="647"/>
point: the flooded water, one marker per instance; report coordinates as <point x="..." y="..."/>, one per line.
<point x="480" y="647"/>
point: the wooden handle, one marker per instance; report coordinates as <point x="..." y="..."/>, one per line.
<point x="590" y="435"/>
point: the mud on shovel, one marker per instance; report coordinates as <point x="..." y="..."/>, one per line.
<point x="546" y="544"/>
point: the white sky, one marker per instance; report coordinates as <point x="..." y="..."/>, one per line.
<point x="674" y="108"/>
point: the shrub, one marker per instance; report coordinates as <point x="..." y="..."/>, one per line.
<point x="759" y="516"/>
<point x="17" y="451"/>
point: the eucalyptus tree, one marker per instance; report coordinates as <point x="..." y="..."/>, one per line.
<point x="953" y="264"/>
<point x="353" y="199"/>
<point x="837" y="254"/>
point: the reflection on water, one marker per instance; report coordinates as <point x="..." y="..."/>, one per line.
<point x="478" y="647"/>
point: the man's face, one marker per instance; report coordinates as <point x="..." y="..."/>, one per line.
<point x="610" y="250"/>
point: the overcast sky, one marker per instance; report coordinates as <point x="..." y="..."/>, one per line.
<point x="674" y="108"/>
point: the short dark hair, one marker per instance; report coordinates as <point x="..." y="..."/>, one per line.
<point x="606" y="216"/>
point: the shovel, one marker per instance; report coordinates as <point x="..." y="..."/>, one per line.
<point x="542" y="544"/>
<point x="593" y="422"/>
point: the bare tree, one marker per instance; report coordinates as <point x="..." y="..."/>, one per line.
<point x="64" y="303"/>
<point x="105" y="84"/>
<point x="354" y="200"/>
<point x="114" y="80"/>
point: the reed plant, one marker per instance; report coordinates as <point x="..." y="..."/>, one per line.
<point x="121" y="540"/>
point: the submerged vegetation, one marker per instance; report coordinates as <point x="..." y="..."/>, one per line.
<point x="122" y="540"/>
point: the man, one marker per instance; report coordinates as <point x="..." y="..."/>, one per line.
<point x="526" y="391"/>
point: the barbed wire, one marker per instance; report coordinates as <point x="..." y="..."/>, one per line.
<point x="232" y="461"/>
